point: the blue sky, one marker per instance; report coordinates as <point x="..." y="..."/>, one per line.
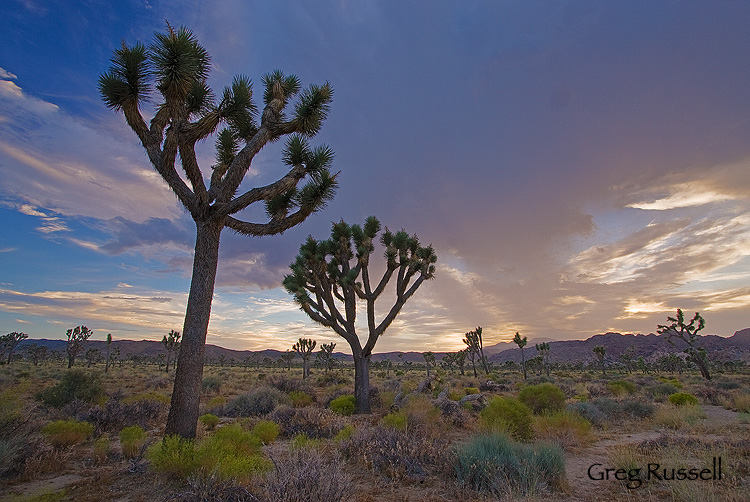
<point x="579" y="166"/>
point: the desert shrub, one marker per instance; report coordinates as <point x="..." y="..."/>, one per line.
<point x="343" y="405"/>
<point x="543" y="398"/>
<point x="345" y="433"/>
<point x="115" y="415"/>
<point x="397" y="454"/>
<point x="305" y="475"/>
<point x="661" y="390"/>
<point x="621" y="387"/>
<point x="301" y="441"/>
<point x="231" y="453"/>
<point x="212" y="489"/>
<point x="421" y="412"/>
<point x="260" y="401"/>
<point x="682" y="398"/>
<point x="395" y="420"/>
<point x="727" y="385"/>
<point x="637" y="409"/>
<point x="75" y="384"/>
<point x="209" y="420"/>
<point x="211" y="384"/>
<point x="471" y="390"/>
<point x="588" y="411"/>
<point x="300" y="398"/>
<point x="493" y="463"/>
<point x="564" y="428"/>
<point x="507" y="415"/>
<point x="676" y="417"/>
<point x="267" y="431"/>
<point x="174" y="456"/>
<point x="711" y="395"/>
<point x="62" y="433"/>
<point x="609" y="407"/>
<point x="314" y="422"/>
<point x="287" y="385"/>
<point x="132" y="440"/>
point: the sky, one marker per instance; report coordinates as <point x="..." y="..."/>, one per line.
<point x="579" y="167"/>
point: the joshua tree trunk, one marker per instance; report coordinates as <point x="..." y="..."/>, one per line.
<point x="184" y="409"/>
<point x="362" y="384"/>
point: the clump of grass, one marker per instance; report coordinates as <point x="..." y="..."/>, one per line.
<point x="621" y="387"/>
<point x="300" y="398"/>
<point x="395" y="420"/>
<point x="345" y="433"/>
<point x="471" y="390"/>
<point x="493" y="463"/>
<point x="343" y="405"/>
<point x="543" y="398"/>
<point x="267" y="431"/>
<point x="507" y="415"/>
<point x="588" y="411"/>
<point x="682" y="399"/>
<point x="101" y="449"/>
<point x="741" y="402"/>
<point x="62" y="433"/>
<point x="314" y="422"/>
<point x="75" y="384"/>
<point x="564" y="428"/>
<point x="676" y="417"/>
<point x="132" y="440"/>
<point x="174" y="456"/>
<point x="209" y="420"/>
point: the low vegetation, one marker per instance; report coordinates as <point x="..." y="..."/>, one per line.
<point x="267" y="434"/>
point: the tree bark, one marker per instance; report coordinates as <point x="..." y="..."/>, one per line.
<point x="362" y="385"/>
<point x="184" y="409"/>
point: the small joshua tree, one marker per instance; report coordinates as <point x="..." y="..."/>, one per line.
<point x="304" y="348"/>
<point x="521" y="342"/>
<point x="688" y="333"/>
<point x="325" y="355"/>
<point x="600" y="352"/>
<point x="10" y="341"/>
<point x="543" y="349"/>
<point x="76" y="338"/>
<point x="328" y="277"/>
<point x="429" y="359"/>
<point x="171" y="342"/>
<point x="109" y="343"/>
<point x="286" y="359"/>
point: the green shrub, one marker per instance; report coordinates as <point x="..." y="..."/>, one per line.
<point x="621" y="387"/>
<point x="565" y="428"/>
<point x="682" y="398"/>
<point x="637" y="409"/>
<point x="396" y="420"/>
<point x="267" y="431"/>
<point x="345" y="433"/>
<point x="343" y="405"/>
<point x="174" y="456"/>
<point x="101" y="449"/>
<point x="132" y="440"/>
<point x="589" y="411"/>
<point x="661" y="389"/>
<point x="259" y="402"/>
<point x="75" y="384"/>
<point x="543" y="397"/>
<point x="300" y="398"/>
<point x="493" y="463"/>
<point x="209" y="420"/>
<point x="471" y="390"/>
<point x="63" y="433"/>
<point x="211" y="384"/>
<point x="507" y="415"/>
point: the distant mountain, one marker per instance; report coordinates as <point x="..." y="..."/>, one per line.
<point x="651" y="346"/>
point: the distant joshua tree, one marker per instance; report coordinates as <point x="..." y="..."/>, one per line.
<point x="543" y="349"/>
<point x="429" y="359"/>
<point x="10" y="341"/>
<point x="325" y="355"/>
<point x="521" y="342"/>
<point x="304" y="348"/>
<point x="688" y="333"/>
<point x="286" y="359"/>
<point x="328" y="277"/>
<point x="109" y="343"/>
<point x="77" y="337"/>
<point x="171" y="342"/>
<point x="600" y="351"/>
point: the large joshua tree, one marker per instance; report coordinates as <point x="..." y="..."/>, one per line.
<point x="328" y="277"/>
<point x="187" y="112"/>
<point x="688" y="333"/>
